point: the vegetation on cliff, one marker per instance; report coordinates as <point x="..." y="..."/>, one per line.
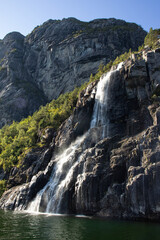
<point x="2" y="186"/>
<point x="19" y="137"/>
<point x="152" y="37"/>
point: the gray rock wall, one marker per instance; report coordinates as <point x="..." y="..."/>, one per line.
<point x="56" y="57"/>
<point x="121" y="177"/>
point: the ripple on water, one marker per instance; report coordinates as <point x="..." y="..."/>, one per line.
<point x="22" y="226"/>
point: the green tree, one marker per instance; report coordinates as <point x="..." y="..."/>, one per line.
<point x="152" y="37"/>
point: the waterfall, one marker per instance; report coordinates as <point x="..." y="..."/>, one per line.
<point x="100" y="115"/>
<point x="70" y="164"/>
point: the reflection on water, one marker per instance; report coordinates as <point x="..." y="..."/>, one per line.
<point x="21" y="226"/>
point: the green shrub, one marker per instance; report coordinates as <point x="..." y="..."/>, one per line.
<point x="2" y="187"/>
<point x="152" y="37"/>
<point x="19" y="137"/>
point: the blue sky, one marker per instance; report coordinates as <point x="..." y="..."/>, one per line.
<point x="24" y="15"/>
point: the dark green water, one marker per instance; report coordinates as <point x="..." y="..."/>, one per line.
<point x="21" y="226"/>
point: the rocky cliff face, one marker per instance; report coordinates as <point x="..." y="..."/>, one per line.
<point x="55" y="58"/>
<point x="117" y="176"/>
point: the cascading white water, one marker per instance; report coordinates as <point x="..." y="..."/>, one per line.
<point x="50" y="197"/>
<point x="100" y="118"/>
<point x="61" y="175"/>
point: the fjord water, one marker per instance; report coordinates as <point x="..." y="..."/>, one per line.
<point x="22" y="226"/>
